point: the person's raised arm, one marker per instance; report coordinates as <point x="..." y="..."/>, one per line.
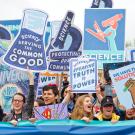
<point x="98" y="93"/>
<point x="31" y="77"/>
<point x="31" y="94"/>
<point x="66" y="99"/>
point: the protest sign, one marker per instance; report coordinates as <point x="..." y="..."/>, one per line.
<point x="27" y="50"/>
<point x="83" y="75"/>
<point x="104" y="40"/>
<point x="65" y="43"/>
<point x="55" y="111"/>
<point x="123" y="81"/>
<point x="12" y="81"/>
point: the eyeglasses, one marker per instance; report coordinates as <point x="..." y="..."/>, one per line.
<point x="16" y="100"/>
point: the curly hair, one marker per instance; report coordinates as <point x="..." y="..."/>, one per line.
<point x="78" y="111"/>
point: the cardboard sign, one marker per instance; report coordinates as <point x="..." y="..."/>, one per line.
<point x="104" y="35"/>
<point x="27" y="50"/>
<point x="83" y="75"/>
<point x="124" y="84"/>
<point x="56" y="111"/>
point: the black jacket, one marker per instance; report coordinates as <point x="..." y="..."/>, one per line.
<point x="1" y="114"/>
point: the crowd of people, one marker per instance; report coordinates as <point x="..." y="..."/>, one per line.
<point x="84" y="106"/>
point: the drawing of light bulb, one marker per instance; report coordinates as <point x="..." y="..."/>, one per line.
<point x="7" y="92"/>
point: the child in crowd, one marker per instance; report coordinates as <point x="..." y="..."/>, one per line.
<point x="83" y="109"/>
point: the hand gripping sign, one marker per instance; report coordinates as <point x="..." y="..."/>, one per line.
<point x="27" y="50"/>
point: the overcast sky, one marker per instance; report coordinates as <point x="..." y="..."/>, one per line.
<point x="56" y="9"/>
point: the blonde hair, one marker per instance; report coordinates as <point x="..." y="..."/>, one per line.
<point x="78" y="111"/>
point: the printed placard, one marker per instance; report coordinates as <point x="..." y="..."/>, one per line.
<point x="104" y="35"/>
<point x="56" y="111"/>
<point x="65" y="44"/>
<point x="83" y="75"/>
<point x="44" y="80"/>
<point x="27" y="50"/>
<point x="124" y="83"/>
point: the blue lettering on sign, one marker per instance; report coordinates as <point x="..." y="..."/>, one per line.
<point x="44" y="79"/>
<point x="83" y="84"/>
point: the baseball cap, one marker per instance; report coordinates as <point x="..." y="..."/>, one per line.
<point x="107" y="101"/>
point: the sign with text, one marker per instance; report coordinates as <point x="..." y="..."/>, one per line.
<point x="83" y="75"/>
<point x="27" y="50"/>
<point x="104" y="35"/>
<point x="123" y="80"/>
<point x="12" y="81"/>
<point x="44" y="80"/>
<point x="65" y="44"/>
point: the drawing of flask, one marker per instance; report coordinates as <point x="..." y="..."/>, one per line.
<point x="28" y="50"/>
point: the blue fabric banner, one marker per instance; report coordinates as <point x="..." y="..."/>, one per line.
<point x="68" y="127"/>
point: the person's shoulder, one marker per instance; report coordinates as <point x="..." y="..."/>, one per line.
<point x="7" y="117"/>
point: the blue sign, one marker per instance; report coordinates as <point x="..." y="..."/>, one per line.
<point x="8" y="31"/>
<point x="12" y="81"/>
<point x="64" y="45"/>
<point x="104" y="35"/>
<point x="27" y="51"/>
<point x="102" y="4"/>
<point x="132" y="55"/>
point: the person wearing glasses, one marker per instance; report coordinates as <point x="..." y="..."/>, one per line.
<point x="22" y="108"/>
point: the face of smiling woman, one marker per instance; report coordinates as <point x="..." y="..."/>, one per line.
<point x="87" y="105"/>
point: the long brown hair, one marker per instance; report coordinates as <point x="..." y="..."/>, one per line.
<point x="78" y="111"/>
